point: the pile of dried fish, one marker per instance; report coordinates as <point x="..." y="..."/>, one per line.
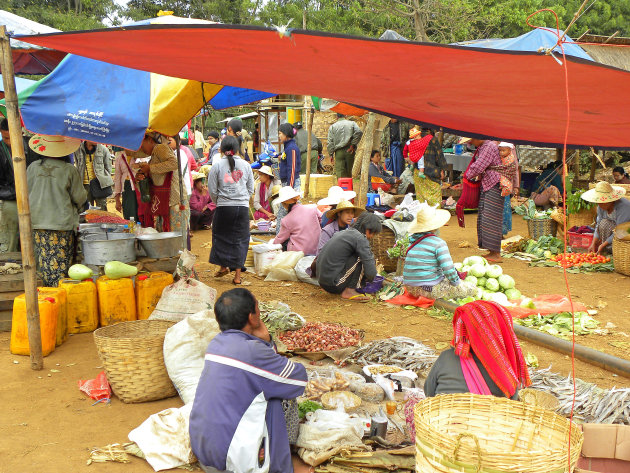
<point x="278" y="317"/>
<point x="10" y="268"/>
<point x="592" y="404"/>
<point x="407" y="353"/>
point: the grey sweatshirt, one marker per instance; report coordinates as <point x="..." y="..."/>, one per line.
<point x="230" y="189"/>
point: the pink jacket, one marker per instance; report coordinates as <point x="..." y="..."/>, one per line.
<point x="199" y="202"/>
<point x="301" y="227"/>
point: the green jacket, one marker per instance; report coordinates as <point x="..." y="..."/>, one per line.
<point x="56" y="193"/>
<point x="102" y="164"/>
<point x="342" y="134"/>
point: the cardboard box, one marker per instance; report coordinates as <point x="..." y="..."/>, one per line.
<point x="606" y="448"/>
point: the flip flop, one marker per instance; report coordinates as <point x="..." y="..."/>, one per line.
<point x="237" y="283"/>
<point x="356" y="297"/>
<point x="495" y="261"/>
<point x="222" y="273"/>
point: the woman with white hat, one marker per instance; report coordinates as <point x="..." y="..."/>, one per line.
<point x="262" y="194"/>
<point x="612" y="210"/>
<point x="335" y="195"/>
<point x="429" y="271"/>
<point x="301" y="225"/>
<point x="56" y="194"/>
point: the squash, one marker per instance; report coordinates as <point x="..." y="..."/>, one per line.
<point x="79" y="272"/>
<point x="117" y="270"/>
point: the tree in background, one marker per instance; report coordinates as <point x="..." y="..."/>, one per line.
<point x="66" y="14"/>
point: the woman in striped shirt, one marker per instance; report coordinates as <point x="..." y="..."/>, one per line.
<point x="429" y="271"/>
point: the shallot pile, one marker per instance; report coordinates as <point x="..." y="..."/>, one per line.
<point x="100" y="216"/>
<point x="315" y="336"/>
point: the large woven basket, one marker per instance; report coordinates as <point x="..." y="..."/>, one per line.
<point x="380" y="243"/>
<point x="457" y="433"/>
<point x="583" y="217"/>
<point x="131" y="353"/>
<point x="621" y="256"/>
<point x="538" y="227"/>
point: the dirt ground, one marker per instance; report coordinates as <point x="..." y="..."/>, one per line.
<point x="48" y="425"/>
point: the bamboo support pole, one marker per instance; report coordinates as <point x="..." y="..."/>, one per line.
<point x="24" y="211"/>
<point x="182" y="206"/>
<point x="368" y="137"/>
<point x="309" y="143"/>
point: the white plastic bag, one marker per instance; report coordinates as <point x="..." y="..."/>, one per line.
<point x="386" y="199"/>
<point x="263" y="257"/>
<point x="185" y="346"/>
<point x="300" y="270"/>
<point x="282" y="267"/>
<point x="164" y="438"/>
<point x="183" y="298"/>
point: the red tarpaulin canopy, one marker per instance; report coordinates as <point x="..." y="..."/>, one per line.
<point x="509" y="95"/>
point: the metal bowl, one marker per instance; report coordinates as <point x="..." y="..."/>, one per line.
<point x="161" y="245"/>
<point x="99" y="248"/>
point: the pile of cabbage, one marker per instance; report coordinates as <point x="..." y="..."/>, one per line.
<point x="492" y="284"/>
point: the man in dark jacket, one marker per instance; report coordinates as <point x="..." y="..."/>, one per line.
<point x="301" y="138"/>
<point x="346" y="261"/>
<point x="237" y="422"/>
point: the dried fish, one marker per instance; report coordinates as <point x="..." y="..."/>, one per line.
<point x="407" y="353"/>
<point x="592" y="404"/>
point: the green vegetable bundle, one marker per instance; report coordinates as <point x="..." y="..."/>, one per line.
<point x="278" y="317"/>
<point x="575" y="203"/>
<point x="399" y="250"/>
<point x="308" y="406"/>
<point x="560" y="325"/>
<point x="543" y="244"/>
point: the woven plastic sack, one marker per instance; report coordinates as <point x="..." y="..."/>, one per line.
<point x="303" y="270"/>
<point x="97" y="388"/>
<point x="264" y="256"/>
<point x="183" y="298"/>
<point x="283" y="266"/>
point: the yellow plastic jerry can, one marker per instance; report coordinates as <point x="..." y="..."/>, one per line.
<point x="62" y="317"/>
<point x="82" y="305"/>
<point x="116" y="300"/>
<point x="149" y="289"/>
<point x="48" y="311"/>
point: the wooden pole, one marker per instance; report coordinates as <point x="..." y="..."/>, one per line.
<point x="24" y="210"/>
<point x="182" y="207"/>
<point x="309" y="143"/>
<point x="368" y="137"/>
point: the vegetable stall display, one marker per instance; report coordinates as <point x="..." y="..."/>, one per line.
<point x="316" y="337"/>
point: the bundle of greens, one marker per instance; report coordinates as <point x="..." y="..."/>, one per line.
<point x="560" y="325"/>
<point x="399" y="250"/>
<point x="308" y="406"/>
<point x="575" y="203"/>
<point x="544" y="244"/>
<point x="278" y="317"/>
<point x="529" y="212"/>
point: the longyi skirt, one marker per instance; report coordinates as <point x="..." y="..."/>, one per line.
<point x="230" y="237"/>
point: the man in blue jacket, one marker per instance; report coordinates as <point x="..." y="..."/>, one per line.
<point x="237" y="423"/>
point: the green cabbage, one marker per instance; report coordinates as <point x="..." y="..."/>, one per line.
<point x="513" y="294"/>
<point x="471" y="279"/>
<point x="494" y="271"/>
<point x="478" y="270"/>
<point x="527" y="303"/>
<point x="473" y="260"/>
<point x="481" y="282"/>
<point x="492" y="285"/>
<point x="506" y="282"/>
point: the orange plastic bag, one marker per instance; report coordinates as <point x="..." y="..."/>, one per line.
<point x="545" y="305"/>
<point x="408" y="299"/>
<point x="97" y="388"/>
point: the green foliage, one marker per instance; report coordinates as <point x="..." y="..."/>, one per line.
<point x="66" y="15"/>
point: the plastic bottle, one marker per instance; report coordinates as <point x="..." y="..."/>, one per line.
<point x="48" y="311"/>
<point x="116" y="300"/>
<point x="62" y="318"/>
<point x="82" y="304"/>
<point x="149" y="289"/>
<point x="132" y="224"/>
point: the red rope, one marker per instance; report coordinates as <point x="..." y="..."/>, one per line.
<point x="564" y="195"/>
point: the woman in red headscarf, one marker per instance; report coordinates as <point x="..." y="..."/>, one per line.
<point x="486" y="357"/>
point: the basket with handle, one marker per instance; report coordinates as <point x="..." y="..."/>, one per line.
<point x="458" y="433"/>
<point x="132" y="355"/>
<point x="621" y="256"/>
<point x="538" y="227"/>
<point x="380" y="243"/>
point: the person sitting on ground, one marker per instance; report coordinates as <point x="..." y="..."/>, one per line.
<point x="262" y="194"/>
<point x="346" y="262"/>
<point x="237" y="421"/>
<point x="335" y="195"/>
<point x="201" y="205"/>
<point x="620" y="176"/>
<point x="377" y="173"/>
<point x="486" y="357"/>
<point x="548" y="187"/>
<point x="612" y="210"/>
<point x="301" y="226"/>
<point x="429" y="271"/>
<point x="340" y="218"/>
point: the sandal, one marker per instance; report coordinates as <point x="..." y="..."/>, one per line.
<point x="222" y="272"/>
<point x="358" y="298"/>
<point x="240" y="281"/>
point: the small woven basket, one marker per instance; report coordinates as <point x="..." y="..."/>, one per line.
<point x="538" y="227"/>
<point x="621" y="256"/>
<point x="583" y="217"/>
<point x="538" y="398"/>
<point x="131" y="353"/>
<point x="380" y="243"/>
<point x="458" y="433"/>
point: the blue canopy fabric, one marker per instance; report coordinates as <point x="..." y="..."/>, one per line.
<point x="532" y="41"/>
<point x="20" y="84"/>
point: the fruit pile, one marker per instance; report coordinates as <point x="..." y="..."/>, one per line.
<point x="569" y="260"/>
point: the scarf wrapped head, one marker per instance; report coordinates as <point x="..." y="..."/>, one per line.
<point x="486" y="328"/>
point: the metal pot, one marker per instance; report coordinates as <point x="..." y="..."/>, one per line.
<point x="161" y="245"/>
<point x="99" y="248"/>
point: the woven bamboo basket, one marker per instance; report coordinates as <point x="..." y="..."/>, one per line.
<point x="380" y="243"/>
<point x="621" y="256"/>
<point x="538" y="227"/>
<point x="583" y="217"/>
<point x="318" y="185"/>
<point x="538" y="398"/>
<point x="457" y="433"/>
<point x="131" y="353"/>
